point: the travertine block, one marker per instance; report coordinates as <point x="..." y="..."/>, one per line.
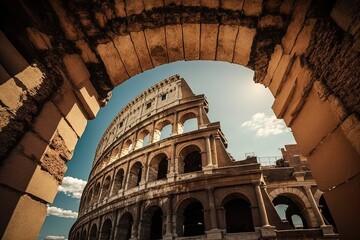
<point x="76" y="69"/>
<point x="210" y="3"/>
<point x="280" y="74"/>
<point x="11" y="95"/>
<point x="120" y="8"/>
<point x="252" y="7"/>
<point x="32" y="146"/>
<point x="208" y="41"/>
<point x="191" y="33"/>
<point x="274" y="21"/>
<point x="133" y="7"/>
<point x="40" y="40"/>
<point x="17" y="209"/>
<point x="351" y="129"/>
<point x="127" y="52"/>
<point x="343" y="202"/>
<point x="23" y="174"/>
<point x="235" y="5"/>
<point x="344" y="13"/>
<point x="303" y="40"/>
<point x="4" y="75"/>
<point x="319" y="120"/>
<point x="273" y="64"/>
<point x="296" y="24"/>
<point x="226" y="42"/>
<point x="174" y="42"/>
<point x="284" y="97"/>
<point x="242" y="50"/>
<point x="138" y="38"/>
<point x="88" y="97"/>
<point x="32" y="77"/>
<point x="113" y="63"/>
<point x="157" y="46"/>
<point x="87" y="54"/>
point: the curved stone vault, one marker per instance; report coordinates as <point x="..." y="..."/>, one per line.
<point x="60" y="60"/>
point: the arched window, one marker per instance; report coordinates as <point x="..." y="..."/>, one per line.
<point x="93" y="232"/>
<point x="83" y="235"/>
<point x="88" y="198"/>
<point x="106" y="230"/>
<point x="135" y="175"/>
<point x="238" y="216"/>
<point x="96" y="193"/>
<point x="190" y="159"/>
<point x="118" y="181"/>
<point x="158" y="167"/>
<point x="127" y="147"/>
<point x="124" y="227"/>
<point x="114" y="154"/>
<point x="193" y="219"/>
<point x="152" y="224"/>
<point x="287" y="208"/>
<point x="143" y="139"/>
<point x="165" y="132"/>
<point x="105" y="188"/>
<point x="187" y="123"/>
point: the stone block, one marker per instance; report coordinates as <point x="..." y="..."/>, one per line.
<point x="113" y="63"/>
<point x="210" y="3"/>
<point x="40" y="40"/>
<point x="88" y="97"/>
<point x="226" y="42"/>
<point x="252" y="7"/>
<point x="17" y="209"/>
<point x="133" y="7"/>
<point x="192" y="3"/>
<point x="343" y="202"/>
<point x="273" y="64"/>
<point x="4" y="75"/>
<point x="280" y="74"/>
<point x="296" y="24"/>
<point x="120" y="8"/>
<point x="286" y="7"/>
<point x="127" y="52"/>
<point x="351" y="129"/>
<point x="208" y="41"/>
<point x="174" y="42"/>
<point x="303" y="40"/>
<point x="284" y="97"/>
<point x="235" y="5"/>
<point x="76" y="69"/>
<point x="32" y="146"/>
<point x="12" y="95"/>
<point x="243" y="45"/>
<point x="191" y="33"/>
<point x="344" y="13"/>
<point x="138" y="38"/>
<point x="150" y="4"/>
<point x="23" y="174"/>
<point x="274" y="21"/>
<point x="32" y="78"/>
<point x="155" y="39"/>
<point x="313" y="123"/>
<point x="87" y="54"/>
<point x="334" y="161"/>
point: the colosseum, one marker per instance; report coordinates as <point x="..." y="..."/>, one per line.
<point x="145" y="184"/>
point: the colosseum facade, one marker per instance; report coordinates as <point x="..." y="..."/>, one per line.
<point x="145" y="184"/>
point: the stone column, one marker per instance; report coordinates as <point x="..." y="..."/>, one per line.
<point x="168" y="234"/>
<point x="262" y="209"/>
<point x="215" y="160"/>
<point x="201" y="118"/>
<point x="208" y="152"/>
<point x="174" y="129"/>
<point x="135" y="227"/>
<point x="214" y="233"/>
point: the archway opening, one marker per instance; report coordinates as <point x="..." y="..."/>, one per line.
<point x="289" y="211"/>
<point x="96" y="193"/>
<point x="105" y="188"/>
<point x="238" y="216"/>
<point x="124" y="227"/>
<point x="165" y="131"/>
<point x="158" y="167"/>
<point x="152" y="223"/>
<point x="83" y="235"/>
<point x="93" y="232"/>
<point x="119" y="178"/>
<point x="163" y="169"/>
<point x="194" y="223"/>
<point x="135" y="175"/>
<point x="106" y="230"/>
<point x="192" y="162"/>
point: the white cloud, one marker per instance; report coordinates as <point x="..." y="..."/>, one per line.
<point x="59" y="212"/>
<point x="72" y="187"/>
<point x="265" y="125"/>
<point x="54" y="238"/>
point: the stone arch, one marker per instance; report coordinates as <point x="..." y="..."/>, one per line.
<point x="115" y="153"/>
<point x="158" y="167"/>
<point x="238" y="215"/>
<point x="190" y="159"/>
<point x="93" y="232"/>
<point x="300" y="200"/>
<point x="135" y="175"/>
<point x="184" y="117"/>
<point x="159" y="127"/>
<point x="144" y="133"/>
<point x="106" y="229"/>
<point x="83" y="234"/>
<point x="105" y="190"/>
<point x="119" y="181"/>
<point x="253" y="34"/>
<point x="124" y="226"/>
<point x="152" y="225"/>
<point x="126" y="148"/>
<point x="97" y="192"/>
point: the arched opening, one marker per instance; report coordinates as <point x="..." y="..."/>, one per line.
<point x="190" y="159"/>
<point x="93" y="232"/>
<point x="124" y="227"/>
<point x="238" y="216"/>
<point x="143" y="139"/>
<point x="96" y="193"/>
<point x="89" y="198"/>
<point x="287" y="208"/>
<point x="118" y="181"/>
<point x="77" y="237"/>
<point x="83" y="235"/>
<point x="114" y="154"/>
<point x="165" y="131"/>
<point x="127" y="147"/>
<point x="106" y="230"/>
<point x="135" y="175"/>
<point x="187" y="123"/>
<point x="158" y="167"/>
<point x="152" y="223"/>
<point x="326" y="213"/>
<point x="192" y="219"/>
<point x="105" y="188"/>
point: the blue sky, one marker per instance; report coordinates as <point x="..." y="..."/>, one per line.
<point x="242" y="107"/>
